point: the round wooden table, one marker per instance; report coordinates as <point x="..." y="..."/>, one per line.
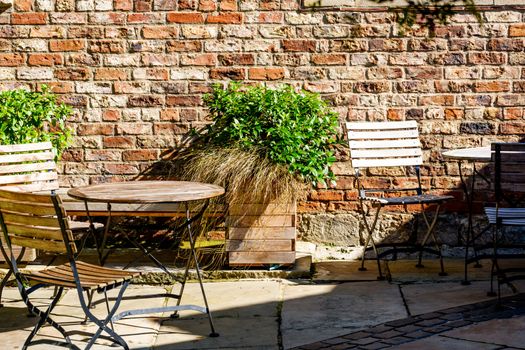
<point x="141" y="192"/>
<point x="146" y="192"/>
<point x="470" y="155"/>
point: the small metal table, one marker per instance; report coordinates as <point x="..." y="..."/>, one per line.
<point x="469" y="155"/>
<point x="142" y="192"/>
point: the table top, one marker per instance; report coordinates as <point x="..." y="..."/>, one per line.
<point x="146" y="192"/>
<point x="474" y="154"/>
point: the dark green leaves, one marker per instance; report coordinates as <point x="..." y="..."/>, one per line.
<point x="295" y="129"/>
<point x="27" y="116"/>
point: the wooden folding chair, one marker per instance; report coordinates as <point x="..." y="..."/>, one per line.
<point x="509" y="209"/>
<point x="391" y="144"/>
<point x="40" y="222"/>
<point x="31" y="167"/>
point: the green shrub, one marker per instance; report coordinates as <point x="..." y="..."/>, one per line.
<point x="289" y="128"/>
<point x="27" y="116"/>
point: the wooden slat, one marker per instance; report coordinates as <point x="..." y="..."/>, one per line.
<point x="30" y="220"/>
<point x="37" y="232"/>
<point x="27" y="157"/>
<point x="32" y="177"/>
<point x="261" y="209"/>
<point x="381" y="125"/>
<point x="42" y="209"/>
<point x="25" y="147"/>
<point x="383" y="135"/>
<point x="38" y="186"/>
<point x="513" y="187"/>
<point x="386" y="153"/>
<point x="52" y="246"/>
<point x="29" y="167"/>
<point x="25" y="197"/>
<point x="365" y="163"/>
<point x="243" y="258"/>
<point x="261" y="233"/>
<point x="513" y="177"/>
<point x="259" y="245"/>
<point x="402" y="143"/>
<point x="260" y="221"/>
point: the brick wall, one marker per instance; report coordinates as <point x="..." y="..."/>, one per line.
<point x="136" y="71"/>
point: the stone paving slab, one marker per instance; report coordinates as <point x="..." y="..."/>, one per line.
<point x="444" y="343"/>
<point x="316" y="312"/>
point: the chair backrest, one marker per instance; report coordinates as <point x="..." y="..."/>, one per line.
<point x="384" y="144"/>
<point x="28" y="167"/>
<point x="509" y="170"/>
<point x="35" y="221"/>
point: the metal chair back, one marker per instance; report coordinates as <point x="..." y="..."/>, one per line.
<point x="509" y="172"/>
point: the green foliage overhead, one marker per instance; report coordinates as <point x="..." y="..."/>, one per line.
<point x="289" y="128"/>
<point x="429" y="13"/>
<point x="27" y="116"/>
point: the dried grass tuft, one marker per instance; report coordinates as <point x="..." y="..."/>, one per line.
<point x="247" y="176"/>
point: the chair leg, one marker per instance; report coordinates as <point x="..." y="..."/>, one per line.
<point x="3" y="284"/>
<point x="369" y="239"/>
<point x="9" y="272"/>
<point x="430" y="232"/>
<point x="44" y="317"/>
<point x="103" y="324"/>
<point x="89" y="304"/>
<point x="494" y="270"/>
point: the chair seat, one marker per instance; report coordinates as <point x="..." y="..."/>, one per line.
<point x="418" y="199"/>
<point x="91" y="276"/>
<point x="509" y="216"/>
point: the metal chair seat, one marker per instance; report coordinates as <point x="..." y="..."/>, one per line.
<point x="405" y="200"/>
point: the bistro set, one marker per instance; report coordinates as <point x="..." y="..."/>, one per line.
<point x="33" y="215"/>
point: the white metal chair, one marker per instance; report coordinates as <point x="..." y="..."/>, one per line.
<point x="509" y="209"/>
<point x="391" y="144"/>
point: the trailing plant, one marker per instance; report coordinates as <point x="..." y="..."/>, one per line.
<point x="289" y="128"/>
<point x="28" y="116"/>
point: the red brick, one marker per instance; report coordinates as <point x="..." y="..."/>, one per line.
<point x="118" y="142"/>
<point x="29" y="18"/>
<point x="329" y="59"/>
<point x="492" y="86"/>
<point x="60" y="87"/>
<point x="45" y="59"/>
<point x="185" y="17"/>
<point x="23" y="5"/>
<point x="517" y="29"/>
<point x="207" y="5"/>
<point x="72" y="74"/>
<point x="95" y="129"/>
<point x="454" y="114"/>
<point x="227" y="73"/>
<point x="121" y="168"/>
<point x="145" y="101"/>
<point x="236" y="59"/>
<point x="204" y="59"/>
<point x="144" y="18"/>
<point x="123" y="5"/>
<point x="143" y="5"/>
<point x="182" y="100"/>
<point x="513" y="113"/>
<point x="11" y="59"/>
<point x="140" y="155"/>
<point x="395" y="114"/>
<point x="266" y="73"/>
<point x="170" y="128"/>
<point x="106" y="46"/>
<point x="486" y="58"/>
<point x="66" y="45"/>
<point x="134" y="128"/>
<point x="111" y="115"/>
<point x="170" y="114"/>
<point x="159" y="32"/>
<point x="512" y="128"/>
<point x="271" y="17"/>
<point x="228" y="5"/>
<point x="326" y="195"/>
<point x="186" y="5"/>
<point x="183" y="46"/>
<point x="296" y="45"/>
<point x="111" y="74"/>
<point x="225" y="18"/>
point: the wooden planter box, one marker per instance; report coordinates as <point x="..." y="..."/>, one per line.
<point x="258" y="234"/>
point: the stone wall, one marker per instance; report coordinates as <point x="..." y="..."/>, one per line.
<point x="136" y="72"/>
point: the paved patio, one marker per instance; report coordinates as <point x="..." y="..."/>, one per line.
<point x="303" y="314"/>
